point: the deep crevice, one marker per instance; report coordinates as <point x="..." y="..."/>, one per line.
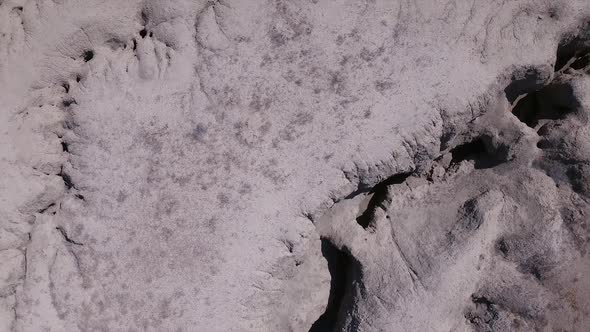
<point x="88" y="55"/>
<point x="577" y="46"/>
<point x="379" y="198"/>
<point x="552" y="102"/>
<point x="479" y="151"/>
<point x="66" y="178"/>
<point x="523" y="82"/>
<point x="581" y="62"/>
<point x="340" y="268"/>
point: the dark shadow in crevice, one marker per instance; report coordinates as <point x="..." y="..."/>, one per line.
<point x="364" y="187"/>
<point x="88" y="55"/>
<point x="480" y="152"/>
<point x="574" y="47"/>
<point x="67" y="238"/>
<point x="581" y="62"/>
<point x="553" y="102"/>
<point x="380" y="198"/>
<point x="46" y="208"/>
<point x="342" y="269"/>
<point x="69" y="102"/>
<point x="523" y="82"/>
<point x="67" y="179"/>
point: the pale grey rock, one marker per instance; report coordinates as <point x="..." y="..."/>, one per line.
<point x="201" y="165"/>
<point x="496" y="241"/>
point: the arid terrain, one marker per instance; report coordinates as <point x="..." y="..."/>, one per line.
<point x="305" y="165"/>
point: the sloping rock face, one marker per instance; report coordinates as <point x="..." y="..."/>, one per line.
<point x="493" y="237"/>
<point x="294" y="165"/>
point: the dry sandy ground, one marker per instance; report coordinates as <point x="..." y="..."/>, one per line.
<point x="306" y="165"/>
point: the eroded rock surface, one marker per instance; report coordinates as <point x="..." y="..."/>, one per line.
<point x="294" y="165"/>
<point x="493" y="237"/>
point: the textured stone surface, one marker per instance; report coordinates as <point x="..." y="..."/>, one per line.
<point x="294" y="165"/>
<point x="492" y="238"/>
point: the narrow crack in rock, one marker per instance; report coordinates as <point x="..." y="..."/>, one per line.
<point x="67" y="238"/>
